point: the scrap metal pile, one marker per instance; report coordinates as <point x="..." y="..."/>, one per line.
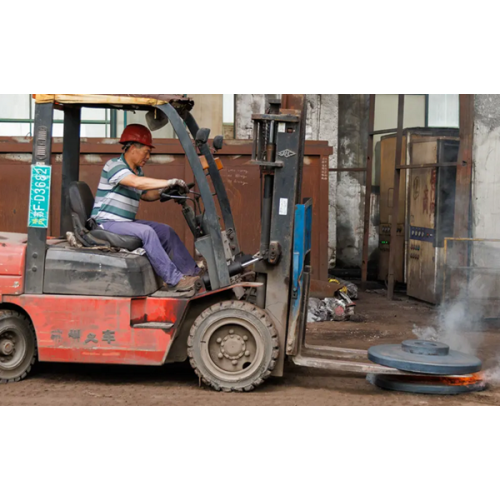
<point x="337" y="308"/>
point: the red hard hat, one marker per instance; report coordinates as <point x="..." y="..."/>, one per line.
<point x="137" y="133"/>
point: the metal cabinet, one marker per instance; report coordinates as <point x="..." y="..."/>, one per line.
<point x="427" y="205"/>
<point x="431" y="215"/>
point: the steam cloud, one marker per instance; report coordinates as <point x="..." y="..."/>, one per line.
<point x="461" y="322"/>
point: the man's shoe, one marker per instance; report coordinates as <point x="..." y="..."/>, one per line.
<point x="186" y="284"/>
<point x="202" y="266"/>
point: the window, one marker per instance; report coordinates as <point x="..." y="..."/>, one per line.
<point x="124" y="118"/>
<point x="386" y="117"/>
<point x="228" y="116"/>
<point x="443" y="110"/>
<point x="229" y="109"/>
<point x="17" y="116"/>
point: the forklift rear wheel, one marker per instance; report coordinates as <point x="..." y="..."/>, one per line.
<point x="233" y="346"/>
<point x="18" y="352"/>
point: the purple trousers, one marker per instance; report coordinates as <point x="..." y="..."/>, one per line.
<point x="168" y="255"/>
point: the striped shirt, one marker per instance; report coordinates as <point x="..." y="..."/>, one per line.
<point x="115" y="202"/>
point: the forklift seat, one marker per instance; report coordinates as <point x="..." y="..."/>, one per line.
<point x="82" y="202"/>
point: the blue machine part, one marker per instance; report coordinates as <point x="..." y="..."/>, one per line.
<point x="422" y="234"/>
<point x="302" y="242"/>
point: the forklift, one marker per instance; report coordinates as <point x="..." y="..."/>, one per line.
<point x="100" y="302"/>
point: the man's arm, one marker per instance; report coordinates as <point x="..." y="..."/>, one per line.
<point x="151" y="195"/>
<point x="153" y="187"/>
<point x="146" y="183"/>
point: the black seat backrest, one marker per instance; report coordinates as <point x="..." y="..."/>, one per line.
<point x="81" y="202"/>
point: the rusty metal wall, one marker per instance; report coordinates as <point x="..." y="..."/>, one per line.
<point x="242" y="183"/>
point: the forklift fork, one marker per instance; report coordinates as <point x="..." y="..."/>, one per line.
<point x="301" y="353"/>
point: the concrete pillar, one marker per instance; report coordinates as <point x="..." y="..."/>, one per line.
<point x="322" y="125"/>
<point x="353" y="146"/>
<point x="486" y="199"/>
<point x="247" y="105"/>
<point x="486" y="176"/>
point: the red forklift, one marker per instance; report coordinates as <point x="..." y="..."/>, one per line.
<point x="100" y="302"/>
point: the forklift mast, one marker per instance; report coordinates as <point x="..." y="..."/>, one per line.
<point x="279" y="139"/>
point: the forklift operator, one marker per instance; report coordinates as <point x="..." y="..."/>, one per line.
<point x="121" y="188"/>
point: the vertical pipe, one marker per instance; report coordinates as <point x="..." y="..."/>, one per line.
<point x="31" y="114"/>
<point x="261" y="291"/>
<point x="463" y="196"/>
<point x="464" y="170"/>
<point x="255" y="150"/>
<point x="427" y="100"/>
<point x="395" y="210"/>
<point x="271" y="145"/>
<point x="445" y="277"/>
<point x="267" y="215"/>
<point x="113" y="123"/>
<point x="368" y="195"/>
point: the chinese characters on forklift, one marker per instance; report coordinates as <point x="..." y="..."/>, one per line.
<point x="41" y="176"/>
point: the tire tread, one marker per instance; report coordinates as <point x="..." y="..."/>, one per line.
<point x="7" y="314"/>
<point x="260" y="315"/>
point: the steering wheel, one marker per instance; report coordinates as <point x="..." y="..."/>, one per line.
<point x="175" y="193"/>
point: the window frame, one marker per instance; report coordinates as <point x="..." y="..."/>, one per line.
<point x="110" y="122"/>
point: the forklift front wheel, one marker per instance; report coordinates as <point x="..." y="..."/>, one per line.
<point x="18" y="352"/>
<point x="233" y="346"/>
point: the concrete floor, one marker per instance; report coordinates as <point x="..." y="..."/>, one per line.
<point x="381" y="323"/>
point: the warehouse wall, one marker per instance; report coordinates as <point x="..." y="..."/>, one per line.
<point x="486" y="181"/>
<point x="485" y="283"/>
<point x="342" y="119"/>
<point x="247" y="105"/>
<point x="241" y="179"/>
<point x="208" y="112"/>
<point x="352" y="153"/>
<point x="322" y="125"/>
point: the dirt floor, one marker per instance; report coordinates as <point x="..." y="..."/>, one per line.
<point x="380" y="322"/>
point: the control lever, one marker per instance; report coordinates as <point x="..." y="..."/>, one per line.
<point x="234" y="268"/>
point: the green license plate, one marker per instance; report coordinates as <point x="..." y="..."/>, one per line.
<point x="41" y="177"/>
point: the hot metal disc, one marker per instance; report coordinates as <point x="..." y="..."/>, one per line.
<point x="428" y="358"/>
<point x="425" y="347"/>
<point x="444" y="386"/>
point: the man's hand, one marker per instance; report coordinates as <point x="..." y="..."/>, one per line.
<point x="181" y="186"/>
<point x="178" y="183"/>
